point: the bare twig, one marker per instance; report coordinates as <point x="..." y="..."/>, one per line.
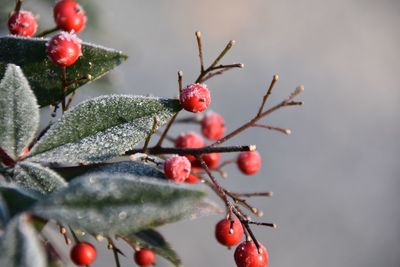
<point x="46" y="32"/>
<point x="200" y="47"/>
<point x="153" y="129"/>
<point x="265" y="98"/>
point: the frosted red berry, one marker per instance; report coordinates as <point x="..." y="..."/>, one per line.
<point x="145" y="257"/>
<point x="69" y="16"/>
<point x="22" y="23"/>
<point x="249" y="162"/>
<point x="195" y="98"/>
<point x="177" y="168"/>
<point x="64" y="49"/>
<point x="211" y="159"/>
<point x="247" y="255"/>
<point x="213" y="126"/>
<point x="83" y="253"/>
<point x="226" y="235"/>
<point x="189" y="140"/>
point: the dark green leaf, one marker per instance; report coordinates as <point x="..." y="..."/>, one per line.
<point x="4" y="213"/>
<point x="43" y="76"/>
<point x="16" y="199"/>
<point x="105" y="203"/>
<point x="20" y="246"/>
<point x="19" y="113"/>
<point x="36" y="178"/>
<point x="102" y="128"/>
<point x="153" y="240"/>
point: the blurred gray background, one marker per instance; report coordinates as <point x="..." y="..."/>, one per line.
<point x="336" y="179"/>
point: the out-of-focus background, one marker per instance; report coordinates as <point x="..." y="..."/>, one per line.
<point x="336" y="179"/>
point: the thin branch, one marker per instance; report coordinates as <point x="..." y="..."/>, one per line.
<point x="222" y="71"/>
<point x="255" y="194"/>
<point x="180" y="87"/>
<point x="46" y="32"/>
<point x="153" y="129"/>
<point x="18" y="5"/>
<point x="265" y="98"/>
<point x="200" y="47"/>
<point x="284" y="103"/>
<point x="273" y="128"/>
<point x="192" y="151"/>
<point x="115" y="250"/>
<point x="164" y="134"/>
<point x="63" y="87"/>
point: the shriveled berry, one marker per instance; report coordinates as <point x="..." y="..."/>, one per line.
<point x="247" y="255"/>
<point x="189" y="140"/>
<point x="211" y="159"/>
<point x="226" y="235"/>
<point x="69" y="16"/>
<point x="177" y="168"/>
<point x="64" y="49"/>
<point x="83" y="253"/>
<point x="213" y="126"/>
<point x="145" y="257"/>
<point x="249" y="162"/>
<point x="22" y="23"/>
<point x="195" y="98"/>
<point x="192" y="179"/>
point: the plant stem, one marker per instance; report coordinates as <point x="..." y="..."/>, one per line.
<point x="46" y="32"/>
<point x="192" y="151"/>
<point x="63" y="87"/>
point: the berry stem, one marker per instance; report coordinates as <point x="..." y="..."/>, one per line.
<point x="180" y="87"/>
<point x="192" y="151"/>
<point x="224" y="68"/>
<point x="46" y="32"/>
<point x="18" y="5"/>
<point x="63" y="88"/>
<point x="116" y="251"/>
<point x="273" y="128"/>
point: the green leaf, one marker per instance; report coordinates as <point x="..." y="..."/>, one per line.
<point x="36" y="178"/>
<point x="44" y="76"/>
<point x="16" y="199"/>
<point x="102" y="128"/>
<point x="155" y="241"/>
<point x="107" y="204"/>
<point x="19" y="113"/>
<point x="20" y="246"/>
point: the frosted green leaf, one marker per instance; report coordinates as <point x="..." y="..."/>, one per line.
<point x="19" y="112"/>
<point x="36" y="178"/>
<point x="16" y="199"/>
<point x="102" y="128"/>
<point x="44" y="76"/>
<point x="107" y="204"/>
<point x="155" y="241"/>
<point x="20" y="246"/>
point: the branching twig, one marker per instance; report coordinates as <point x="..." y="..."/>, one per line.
<point x="116" y="251"/>
<point x="153" y="129"/>
<point x="46" y="32"/>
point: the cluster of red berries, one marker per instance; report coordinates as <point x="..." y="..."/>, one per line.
<point x="230" y="233"/>
<point x="196" y="98"/>
<point x="64" y="48"/>
<point x="84" y="254"/>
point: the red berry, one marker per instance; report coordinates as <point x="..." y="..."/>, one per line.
<point x="195" y="97"/>
<point x="247" y="255"/>
<point x="177" y="168"/>
<point x="145" y="257"/>
<point x="69" y="16"/>
<point x="211" y="159"/>
<point x="189" y="140"/>
<point x="249" y="162"/>
<point x="227" y="236"/>
<point x="213" y="126"/>
<point x="83" y="253"/>
<point x="22" y="23"/>
<point x="192" y="179"/>
<point x="64" y="49"/>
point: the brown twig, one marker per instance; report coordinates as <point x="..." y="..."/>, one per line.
<point x="115" y="250"/>
<point x="156" y="150"/>
<point x="18" y="5"/>
<point x="273" y="128"/>
<point x="275" y="78"/>
<point x="153" y="129"/>
<point x="222" y="71"/>
<point x="165" y="132"/>
<point x="46" y="32"/>
<point x="287" y="102"/>
<point x="63" y="87"/>
<point x="200" y="48"/>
